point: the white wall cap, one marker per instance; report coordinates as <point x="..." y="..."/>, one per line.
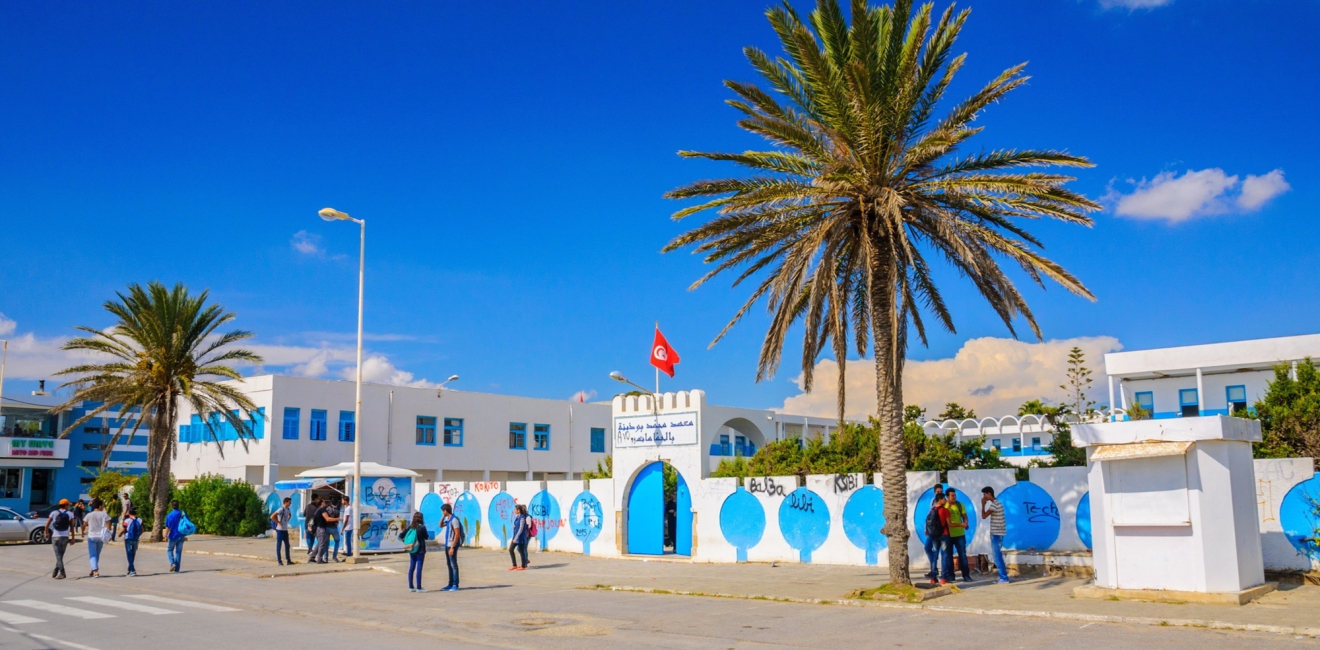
<point x="1214" y="427"/>
<point x="1256" y="354"/>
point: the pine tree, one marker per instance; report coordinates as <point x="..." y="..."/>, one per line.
<point x="1078" y="382"/>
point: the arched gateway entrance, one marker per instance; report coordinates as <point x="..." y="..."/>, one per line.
<point x="659" y="512"/>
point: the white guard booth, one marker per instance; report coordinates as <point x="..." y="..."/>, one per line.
<point x="386" y="499"/>
<point x="1173" y="508"/>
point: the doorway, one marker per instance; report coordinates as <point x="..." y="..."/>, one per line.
<point x="659" y="511"/>
<point x="42" y="479"/>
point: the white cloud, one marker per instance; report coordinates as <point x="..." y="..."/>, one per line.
<point x="993" y="376"/>
<point x="1258" y="190"/>
<point x="377" y="369"/>
<point x="307" y="244"/>
<point x="583" y="396"/>
<point x="1133" y="5"/>
<point x="1196" y="194"/>
<point x="7" y="325"/>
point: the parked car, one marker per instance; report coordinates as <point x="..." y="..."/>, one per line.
<point x="16" y="528"/>
<point x="44" y="513"/>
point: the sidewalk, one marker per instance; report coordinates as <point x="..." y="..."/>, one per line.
<point x="1293" y="609"/>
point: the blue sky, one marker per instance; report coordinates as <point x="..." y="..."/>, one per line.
<point x="510" y="160"/>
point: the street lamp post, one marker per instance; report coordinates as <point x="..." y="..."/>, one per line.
<point x="330" y="214"/>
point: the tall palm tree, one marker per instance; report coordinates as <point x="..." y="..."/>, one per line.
<point x="862" y="186"/>
<point x="164" y="349"/>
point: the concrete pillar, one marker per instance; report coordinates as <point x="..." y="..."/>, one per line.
<point x="1200" y="393"/>
<point x="1112" y="417"/>
<point x="485" y="476"/>
<point x="439" y="476"/>
<point x="1293" y="373"/>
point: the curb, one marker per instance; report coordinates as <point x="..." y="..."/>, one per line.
<point x="1066" y="616"/>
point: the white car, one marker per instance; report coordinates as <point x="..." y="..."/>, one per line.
<point x="17" y="528"/>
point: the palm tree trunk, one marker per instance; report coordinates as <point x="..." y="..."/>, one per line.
<point x="162" y="428"/>
<point x="889" y="406"/>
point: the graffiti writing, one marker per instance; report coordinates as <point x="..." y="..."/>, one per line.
<point x="447" y="492"/>
<point x="488" y="486"/>
<point x="382" y="530"/>
<point x="845" y="483"/>
<point x="1038" y="513"/>
<point x="802" y="502"/>
<point x="766" y="486"/>
<point x="382" y="497"/>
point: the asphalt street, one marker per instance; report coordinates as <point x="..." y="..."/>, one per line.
<point x="222" y="603"/>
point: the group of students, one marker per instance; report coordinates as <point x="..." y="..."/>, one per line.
<point x="325" y="523"/>
<point x="415" y="536"/>
<point x="62" y="527"/>
<point x="946" y="532"/>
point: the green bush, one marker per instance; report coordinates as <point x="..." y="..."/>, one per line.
<point x="143" y="501"/>
<point x="196" y="496"/>
<point x="106" y="488"/>
<point x="218" y="506"/>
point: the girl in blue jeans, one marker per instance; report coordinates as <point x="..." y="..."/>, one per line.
<point x="415" y="533"/>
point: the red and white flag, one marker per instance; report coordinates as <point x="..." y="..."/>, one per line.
<point x="662" y="355"/>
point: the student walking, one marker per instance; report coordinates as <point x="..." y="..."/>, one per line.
<point x="79" y="514"/>
<point x="174" y="549"/>
<point x="98" y="533"/>
<point x="309" y="527"/>
<point x="936" y="533"/>
<point x="957" y="535"/>
<point x="132" y="533"/>
<point x="280" y="518"/>
<point x="346" y="525"/>
<point x="521" y="535"/>
<point x="60" y="528"/>
<point x="994" y="509"/>
<point x="454" y="536"/>
<point x="414" y="541"/>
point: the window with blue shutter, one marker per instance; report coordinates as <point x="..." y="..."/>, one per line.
<point x="597" y="440"/>
<point x="318" y="426"/>
<point x="346" y="426"/>
<point x="290" y="423"/>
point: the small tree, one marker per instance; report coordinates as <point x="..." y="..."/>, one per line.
<point x="1061" y="446"/>
<point x="1077" y="383"/>
<point x="913" y="413"/>
<point x="106" y="487"/>
<point x="953" y="411"/>
<point x="1289" y="414"/>
<point x="601" y="472"/>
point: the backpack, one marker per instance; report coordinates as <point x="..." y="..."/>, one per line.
<point x="61" y="521"/>
<point x="410" y="540"/>
<point x="531" y="527"/>
<point x="133" y="528"/>
<point x="186" y="526"/>
<point x="460" y="538"/>
<point x="934" y="527"/>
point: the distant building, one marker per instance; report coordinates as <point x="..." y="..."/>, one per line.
<point x="1213" y="379"/>
<point x="1019" y="439"/>
<point x="37" y="468"/>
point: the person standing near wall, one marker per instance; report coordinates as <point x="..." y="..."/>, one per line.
<point x="281" y="519"/>
<point x="309" y="527"/>
<point x="994" y="509"/>
<point x="414" y="541"/>
<point x="60" y="529"/>
<point x="518" y="540"/>
<point x="332" y="520"/>
<point x="132" y="533"/>
<point x="936" y="533"/>
<point x="174" y="548"/>
<point x="346" y="522"/>
<point x="957" y="535"/>
<point x="454" y="536"/>
<point x="98" y="533"/>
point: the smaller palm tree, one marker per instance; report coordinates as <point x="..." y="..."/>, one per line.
<point x="163" y="349"/>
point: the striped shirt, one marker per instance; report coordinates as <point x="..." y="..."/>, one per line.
<point x="996" y="510"/>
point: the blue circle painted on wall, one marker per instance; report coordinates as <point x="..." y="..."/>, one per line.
<point x="296" y="508"/>
<point x="1031" y="518"/>
<point x="804" y="520"/>
<point x="863" y="517"/>
<point x="499" y="517"/>
<point x="923" y="508"/>
<point x="544" y="510"/>
<point x="1299" y="516"/>
<point x="468" y="511"/>
<point x="273" y="503"/>
<point x="1084" y="520"/>
<point x="586" y="518"/>
<point x="742" y="521"/>
<point x="430" y="509"/>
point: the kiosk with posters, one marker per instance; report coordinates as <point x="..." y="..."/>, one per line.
<point x="386" y="500"/>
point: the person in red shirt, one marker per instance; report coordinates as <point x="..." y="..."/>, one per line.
<point x="946" y="571"/>
<point x="936" y="530"/>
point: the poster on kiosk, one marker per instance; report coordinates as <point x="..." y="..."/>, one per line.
<point x="386" y="500"/>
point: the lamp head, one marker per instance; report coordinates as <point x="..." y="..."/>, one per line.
<point x="618" y="376"/>
<point x="453" y="378"/>
<point x="331" y="214"/>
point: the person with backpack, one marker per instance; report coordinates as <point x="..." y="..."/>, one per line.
<point x="280" y="518"/>
<point x="958" y="525"/>
<point x="414" y="541"/>
<point x="174" y="548"/>
<point x="993" y="509"/>
<point x="309" y="525"/>
<point x="327" y="528"/>
<point x="60" y="530"/>
<point x="936" y="533"/>
<point x="522" y="532"/>
<point x="132" y="534"/>
<point x="98" y="533"/>
<point x="454" y="538"/>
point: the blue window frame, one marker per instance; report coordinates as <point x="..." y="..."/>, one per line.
<point x="517" y="435"/>
<point x="453" y="432"/>
<point x="1035" y="444"/>
<point x="1190" y="405"/>
<point x="290" y="423"/>
<point x="740" y="446"/>
<point x="1017" y="445"/>
<point x="425" y="430"/>
<point x="995" y="443"/>
<point x="1237" y="398"/>
<point x="317" y="428"/>
<point x="1146" y="401"/>
<point x="597" y="440"/>
<point x="541" y="437"/>
<point x="725" y="448"/>
<point x="346" y="426"/>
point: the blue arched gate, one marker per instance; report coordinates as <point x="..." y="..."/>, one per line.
<point x="646" y="513"/>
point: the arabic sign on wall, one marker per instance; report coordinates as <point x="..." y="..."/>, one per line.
<point x="656" y="430"/>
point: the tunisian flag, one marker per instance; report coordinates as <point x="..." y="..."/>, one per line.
<point x="662" y="355"/>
